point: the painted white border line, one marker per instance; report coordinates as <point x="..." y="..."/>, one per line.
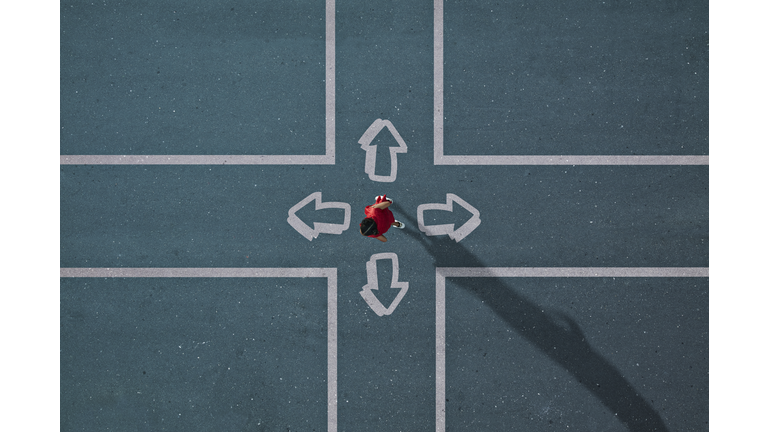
<point x="197" y="159"/>
<point x="439" y="117"/>
<point x="328" y="273"/>
<point x="329" y="158"/>
<point x="440" y="159"/>
<point x="573" y="271"/>
<point x="552" y="272"/>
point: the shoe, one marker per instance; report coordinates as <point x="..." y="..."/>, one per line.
<point x="378" y="198"/>
<point x="401" y="226"/>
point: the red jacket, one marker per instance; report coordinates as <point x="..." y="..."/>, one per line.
<point x="383" y="218"/>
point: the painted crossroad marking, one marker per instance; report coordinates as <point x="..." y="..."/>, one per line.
<point x="373" y="284"/>
<point x="218" y="272"/>
<point x="439" y="119"/>
<point x="329" y="158"/>
<point x="441" y="273"/>
<point x="448" y="229"/>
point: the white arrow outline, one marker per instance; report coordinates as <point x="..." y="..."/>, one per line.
<point x="320" y="228"/>
<point x="458" y="234"/>
<point x="370" y="151"/>
<point x="373" y="284"/>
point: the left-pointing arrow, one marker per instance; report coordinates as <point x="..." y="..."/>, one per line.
<point x="319" y="228"/>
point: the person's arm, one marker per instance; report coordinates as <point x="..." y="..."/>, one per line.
<point x="381" y="238"/>
<point x="382" y="205"/>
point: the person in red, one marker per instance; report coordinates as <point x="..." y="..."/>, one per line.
<point x="378" y="219"/>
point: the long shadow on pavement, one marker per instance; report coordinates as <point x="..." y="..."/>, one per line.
<point x="554" y="333"/>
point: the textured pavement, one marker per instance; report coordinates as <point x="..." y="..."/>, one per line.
<point x="521" y="353"/>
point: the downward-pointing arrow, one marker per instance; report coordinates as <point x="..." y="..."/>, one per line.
<point x="458" y="234"/>
<point x="370" y="150"/>
<point x="324" y="228"/>
<point x="373" y="284"/>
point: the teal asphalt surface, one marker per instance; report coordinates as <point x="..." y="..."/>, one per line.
<point x="250" y="354"/>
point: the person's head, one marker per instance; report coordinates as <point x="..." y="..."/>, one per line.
<point x="368" y="227"/>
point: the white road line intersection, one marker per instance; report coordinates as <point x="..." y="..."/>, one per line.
<point x="434" y="150"/>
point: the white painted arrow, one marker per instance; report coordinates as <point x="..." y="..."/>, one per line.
<point x="320" y="228"/>
<point x="370" y="151"/>
<point x="373" y="284"/>
<point x="458" y="234"/>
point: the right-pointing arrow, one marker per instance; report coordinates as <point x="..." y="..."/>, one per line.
<point x="324" y="228"/>
<point x="459" y="234"/>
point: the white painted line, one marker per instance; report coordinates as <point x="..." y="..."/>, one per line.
<point x="373" y="284"/>
<point x="195" y="160"/>
<point x="330" y="82"/>
<point x="639" y="272"/>
<point x="333" y="343"/>
<point x="440" y="351"/>
<point x="439" y="117"/>
<point x="441" y="273"/>
<point x="440" y="159"/>
<point x="434" y="230"/>
<point x="193" y="272"/>
<point x="370" y="151"/>
<point x="439" y="114"/>
<point x="319" y="228"/>
<point x="329" y="158"/>
<point x="215" y="272"/>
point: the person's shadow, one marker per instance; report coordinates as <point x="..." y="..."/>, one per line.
<point x="554" y="333"/>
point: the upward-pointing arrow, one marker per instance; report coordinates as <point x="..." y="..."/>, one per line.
<point x="370" y="150"/>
